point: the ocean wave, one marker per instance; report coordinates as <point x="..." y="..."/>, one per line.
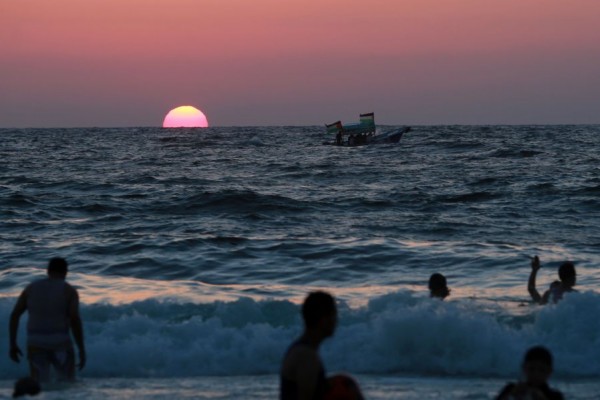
<point x="233" y="201"/>
<point x="485" y="181"/>
<point x="469" y="197"/>
<point x="397" y="333"/>
<point x="18" y="200"/>
<point x="590" y="189"/>
<point x="514" y="153"/>
<point x="544" y="188"/>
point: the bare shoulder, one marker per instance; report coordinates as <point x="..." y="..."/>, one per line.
<point x="32" y="287"/>
<point x="21" y="304"/>
<point x="72" y="293"/>
<point x="70" y="287"/>
<point x="26" y="290"/>
<point x="545" y="297"/>
<point x="35" y="284"/>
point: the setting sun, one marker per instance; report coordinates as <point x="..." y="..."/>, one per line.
<point x="185" y="117"/>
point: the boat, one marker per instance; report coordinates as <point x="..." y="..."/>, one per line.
<point x="363" y="133"/>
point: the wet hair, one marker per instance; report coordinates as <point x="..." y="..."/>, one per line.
<point x="437" y="281"/>
<point x="57" y="265"/>
<point x="566" y="271"/>
<point x="26" y="386"/>
<point x="538" y="353"/>
<point x="316" y="306"/>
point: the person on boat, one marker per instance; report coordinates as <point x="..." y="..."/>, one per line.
<point x="568" y="278"/>
<point x="537" y="368"/>
<point x="338" y="138"/>
<point x="302" y="374"/>
<point x="438" y="287"/>
<point x="53" y="307"/>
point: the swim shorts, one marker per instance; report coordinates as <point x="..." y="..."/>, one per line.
<point x="40" y="361"/>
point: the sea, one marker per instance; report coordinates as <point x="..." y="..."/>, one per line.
<point x="192" y="250"/>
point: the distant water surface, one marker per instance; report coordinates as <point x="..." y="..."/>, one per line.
<point x="201" y="243"/>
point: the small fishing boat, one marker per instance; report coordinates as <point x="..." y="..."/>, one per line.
<point x="363" y="133"/>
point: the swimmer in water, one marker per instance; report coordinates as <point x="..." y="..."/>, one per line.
<point x="568" y="278"/>
<point x="302" y="375"/>
<point x="537" y="368"/>
<point x="438" y="287"/>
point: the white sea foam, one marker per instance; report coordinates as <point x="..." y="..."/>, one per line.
<point x="397" y="333"/>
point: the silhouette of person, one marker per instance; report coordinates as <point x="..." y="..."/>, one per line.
<point x="537" y="368"/>
<point x="338" y="138"/>
<point x="302" y="374"/>
<point x="438" y="287"/>
<point x="568" y="278"/>
<point x="53" y="307"/>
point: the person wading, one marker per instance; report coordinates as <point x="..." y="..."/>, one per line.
<point x="53" y="307"/>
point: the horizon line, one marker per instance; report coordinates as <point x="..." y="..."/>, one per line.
<point x="293" y="125"/>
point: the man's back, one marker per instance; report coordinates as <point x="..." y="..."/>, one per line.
<point x="48" y="304"/>
<point x="53" y="307"/>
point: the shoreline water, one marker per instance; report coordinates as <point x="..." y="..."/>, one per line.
<point x="265" y="387"/>
<point x="193" y="249"/>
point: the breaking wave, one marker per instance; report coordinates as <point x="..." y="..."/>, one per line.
<point x="393" y="334"/>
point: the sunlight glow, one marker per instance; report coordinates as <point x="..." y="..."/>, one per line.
<point x="185" y="117"/>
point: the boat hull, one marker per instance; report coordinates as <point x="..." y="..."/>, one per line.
<point x="393" y="136"/>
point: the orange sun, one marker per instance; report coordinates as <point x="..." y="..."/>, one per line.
<point x="185" y="117"/>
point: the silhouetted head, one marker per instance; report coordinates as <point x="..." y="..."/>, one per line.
<point x="26" y="386"/>
<point x="57" y="268"/>
<point x="438" y="287"/>
<point x="567" y="274"/>
<point x="320" y="313"/>
<point x="537" y="365"/>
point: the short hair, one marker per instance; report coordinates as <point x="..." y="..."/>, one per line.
<point x="57" y="265"/>
<point x="538" y="353"/>
<point x="316" y="306"/>
<point x="437" y="281"/>
<point x="566" y="270"/>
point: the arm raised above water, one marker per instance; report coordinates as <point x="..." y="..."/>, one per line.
<point x="535" y="295"/>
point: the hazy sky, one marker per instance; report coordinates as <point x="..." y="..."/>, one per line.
<point x="69" y="63"/>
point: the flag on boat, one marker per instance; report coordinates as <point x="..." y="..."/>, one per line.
<point x="335" y="127"/>
<point x="367" y="119"/>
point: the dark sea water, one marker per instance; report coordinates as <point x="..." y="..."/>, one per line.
<point x="198" y="244"/>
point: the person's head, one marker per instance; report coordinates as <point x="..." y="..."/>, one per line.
<point x="537" y="365"/>
<point x="57" y="268"/>
<point x="26" y="386"/>
<point x="566" y="273"/>
<point x="320" y="313"/>
<point x="438" y="286"/>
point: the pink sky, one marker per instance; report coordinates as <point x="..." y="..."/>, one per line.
<point x="70" y="63"/>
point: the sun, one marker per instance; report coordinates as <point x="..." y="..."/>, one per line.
<point x="185" y="117"/>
